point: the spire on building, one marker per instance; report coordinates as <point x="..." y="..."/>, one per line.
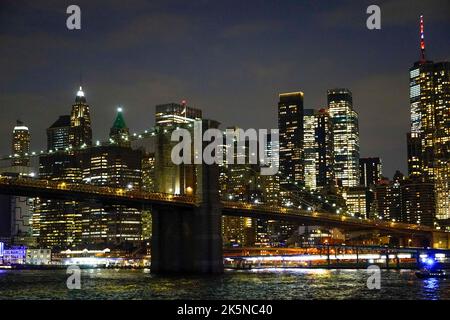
<point x="80" y="122"/>
<point x="119" y="123"/>
<point x="80" y="96"/>
<point x="119" y="133"/>
<point x="422" y="40"/>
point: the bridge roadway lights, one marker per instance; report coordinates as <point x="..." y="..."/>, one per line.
<point x="417" y="241"/>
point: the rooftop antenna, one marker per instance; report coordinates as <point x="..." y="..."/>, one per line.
<point x="422" y="40"/>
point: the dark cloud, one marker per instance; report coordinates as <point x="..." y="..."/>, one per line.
<point x="248" y="29"/>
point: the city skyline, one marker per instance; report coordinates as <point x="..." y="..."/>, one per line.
<point x="207" y="84"/>
<point x="225" y="150"/>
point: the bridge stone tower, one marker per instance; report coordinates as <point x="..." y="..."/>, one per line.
<point x="186" y="240"/>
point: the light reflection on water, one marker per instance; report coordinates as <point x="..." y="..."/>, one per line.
<point x="431" y="287"/>
<point x="243" y="284"/>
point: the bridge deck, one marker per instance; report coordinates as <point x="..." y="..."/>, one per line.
<point x="82" y="192"/>
<point x="315" y="217"/>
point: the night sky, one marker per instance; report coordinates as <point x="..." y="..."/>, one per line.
<point x="229" y="58"/>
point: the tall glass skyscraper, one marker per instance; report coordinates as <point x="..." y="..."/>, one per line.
<point x="318" y="149"/>
<point x="290" y="124"/>
<point x="310" y="153"/>
<point x="429" y="139"/>
<point x="442" y="138"/>
<point x="370" y="171"/>
<point x="58" y="134"/>
<point x="345" y="137"/>
<point x="325" y="150"/>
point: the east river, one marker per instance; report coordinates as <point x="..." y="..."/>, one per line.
<point x="245" y="284"/>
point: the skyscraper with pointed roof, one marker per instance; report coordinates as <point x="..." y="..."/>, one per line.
<point x="119" y="133"/>
<point x="58" y="134"/>
<point x="80" y="123"/>
<point x="429" y="139"/>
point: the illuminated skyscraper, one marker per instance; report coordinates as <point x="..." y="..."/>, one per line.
<point x="57" y="223"/>
<point x="111" y="225"/>
<point x="345" y="137"/>
<point x="21" y="145"/>
<point x="148" y="172"/>
<point x="429" y="139"/>
<point x="119" y="133"/>
<point x="242" y="181"/>
<point x="15" y="211"/>
<point x="388" y="200"/>
<point x="318" y="149"/>
<point x="422" y="118"/>
<point x="418" y="201"/>
<point x="290" y="124"/>
<point x="442" y="139"/>
<point x="173" y="113"/>
<point x="118" y="166"/>
<point x="58" y="134"/>
<point x="414" y="145"/>
<point x="325" y="151"/>
<point x="410" y="200"/>
<point x="358" y="201"/>
<point x="270" y="184"/>
<point x="80" y="123"/>
<point x="370" y="171"/>
<point x="310" y="150"/>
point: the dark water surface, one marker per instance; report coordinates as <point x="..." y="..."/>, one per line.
<point x="253" y="284"/>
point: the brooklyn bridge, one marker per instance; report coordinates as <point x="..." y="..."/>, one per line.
<point x="187" y="228"/>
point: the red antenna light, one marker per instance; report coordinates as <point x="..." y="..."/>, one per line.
<point x="422" y="40"/>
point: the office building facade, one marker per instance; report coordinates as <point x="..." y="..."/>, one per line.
<point x="290" y="125"/>
<point x="345" y="137"/>
<point x="21" y="145"/>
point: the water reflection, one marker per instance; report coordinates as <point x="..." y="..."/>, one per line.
<point x="260" y="284"/>
<point x="431" y="288"/>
